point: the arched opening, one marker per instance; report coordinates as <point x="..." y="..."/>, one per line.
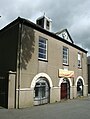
<point x="79" y="88"/>
<point x="65" y="89"/>
<point x="41" y="91"/>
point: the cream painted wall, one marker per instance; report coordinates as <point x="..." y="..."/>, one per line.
<point x="50" y="67"/>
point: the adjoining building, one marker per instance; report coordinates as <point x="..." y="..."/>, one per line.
<point x="38" y="66"/>
<point x="88" y="64"/>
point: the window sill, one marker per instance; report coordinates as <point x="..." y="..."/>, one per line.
<point x="79" y="67"/>
<point x="66" y="64"/>
<point x="44" y="60"/>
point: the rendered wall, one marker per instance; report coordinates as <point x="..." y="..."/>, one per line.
<point x="31" y="66"/>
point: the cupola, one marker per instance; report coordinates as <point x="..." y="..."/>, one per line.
<point x="44" y="22"/>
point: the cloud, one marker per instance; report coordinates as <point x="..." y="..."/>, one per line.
<point x="71" y="14"/>
<point x="80" y="29"/>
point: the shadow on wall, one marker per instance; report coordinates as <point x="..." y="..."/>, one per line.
<point x="28" y="44"/>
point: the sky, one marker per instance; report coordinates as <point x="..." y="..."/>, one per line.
<point x="73" y="15"/>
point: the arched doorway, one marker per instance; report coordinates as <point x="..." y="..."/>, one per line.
<point x="65" y="89"/>
<point x="79" y="87"/>
<point x="41" y="91"/>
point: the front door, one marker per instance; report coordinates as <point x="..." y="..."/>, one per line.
<point x="64" y="91"/>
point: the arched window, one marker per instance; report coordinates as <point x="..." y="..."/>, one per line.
<point x="79" y="88"/>
<point x="42" y="91"/>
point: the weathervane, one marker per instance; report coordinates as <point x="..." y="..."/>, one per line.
<point x="44" y="14"/>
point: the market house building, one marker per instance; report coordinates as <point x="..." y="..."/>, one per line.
<point x="38" y="66"/>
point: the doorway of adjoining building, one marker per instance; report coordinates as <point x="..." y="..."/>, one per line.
<point x="4" y="90"/>
<point x="65" y="89"/>
<point x="41" y="92"/>
<point x="79" y="88"/>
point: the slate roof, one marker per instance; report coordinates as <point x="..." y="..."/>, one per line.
<point x="37" y="27"/>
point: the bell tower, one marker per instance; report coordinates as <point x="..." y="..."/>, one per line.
<point x="44" y="22"/>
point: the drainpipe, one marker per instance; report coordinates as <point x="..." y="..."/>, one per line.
<point x="15" y="89"/>
<point x="19" y="62"/>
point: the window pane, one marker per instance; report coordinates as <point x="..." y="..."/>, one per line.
<point x="42" y="51"/>
<point x="36" y="92"/>
<point x="43" y="91"/>
<point x="42" y="40"/>
<point x="42" y="45"/>
<point x="65" y="53"/>
<point x="65" y="61"/>
<point x="42" y="56"/>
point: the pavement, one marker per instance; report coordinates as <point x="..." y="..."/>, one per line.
<point x="70" y="109"/>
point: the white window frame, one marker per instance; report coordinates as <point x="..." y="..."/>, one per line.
<point x="42" y="48"/>
<point x="65" y="55"/>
